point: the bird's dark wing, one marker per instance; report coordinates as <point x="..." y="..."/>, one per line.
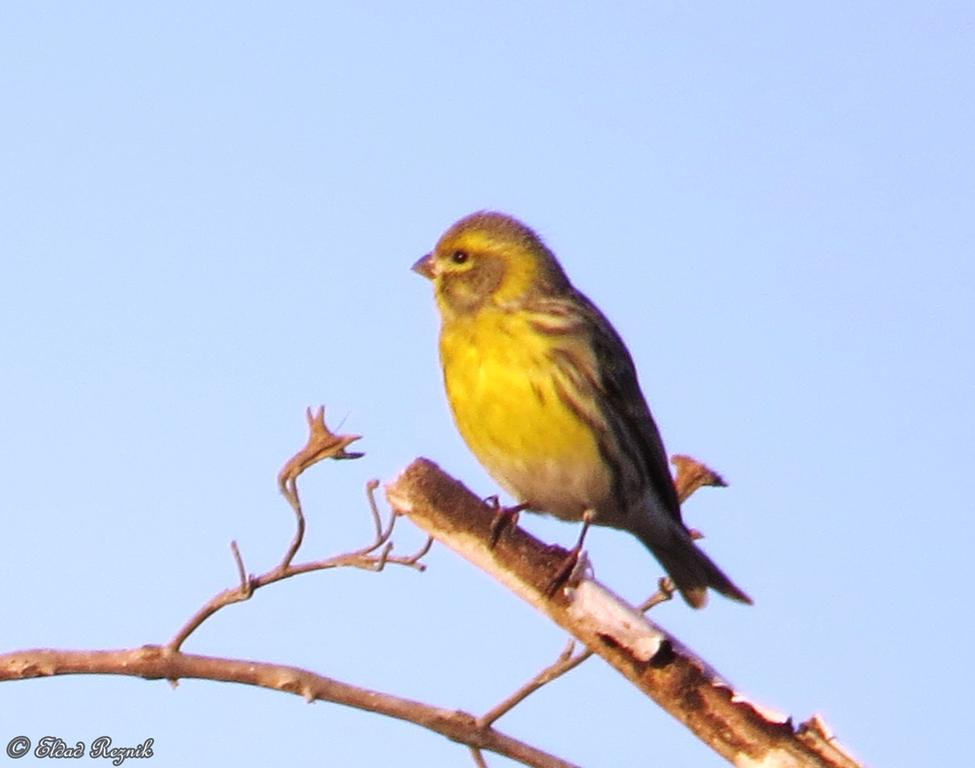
<point x="626" y="411"/>
<point x="603" y="390"/>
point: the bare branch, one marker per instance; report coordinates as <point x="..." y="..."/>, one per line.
<point x="359" y="559"/>
<point x="652" y="659"/>
<point x="154" y="662"/>
<point x="322" y="444"/>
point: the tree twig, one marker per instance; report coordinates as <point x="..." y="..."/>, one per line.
<point x="155" y="662"/>
<point x="350" y="560"/>
<point x="322" y="444"/>
<point x="245" y="582"/>
<point x="565" y="662"/>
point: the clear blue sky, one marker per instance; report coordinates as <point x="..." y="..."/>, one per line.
<point x="207" y="219"/>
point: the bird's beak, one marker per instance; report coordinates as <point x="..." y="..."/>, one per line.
<point x="424" y="266"/>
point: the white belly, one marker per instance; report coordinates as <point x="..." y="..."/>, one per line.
<point x="555" y="487"/>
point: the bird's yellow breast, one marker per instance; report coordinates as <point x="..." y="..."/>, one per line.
<point x="503" y="388"/>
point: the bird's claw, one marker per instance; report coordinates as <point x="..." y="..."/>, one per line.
<point x="575" y="563"/>
<point x="504" y="518"/>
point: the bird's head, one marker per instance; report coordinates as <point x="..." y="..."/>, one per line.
<point x="490" y="258"/>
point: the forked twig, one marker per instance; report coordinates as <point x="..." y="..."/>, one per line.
<point x="322" y="444"/>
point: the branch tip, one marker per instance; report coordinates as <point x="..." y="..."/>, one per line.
<point x="322" y="444"/>
<point x="246" y="587"/>
<point x="692" y="475"/>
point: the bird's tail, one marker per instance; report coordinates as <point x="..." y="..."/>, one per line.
<point x="690" y="568"/>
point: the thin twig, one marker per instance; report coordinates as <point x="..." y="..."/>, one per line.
<point x="322" y="444"/>
<point x="155" y="662"/>
<point x="245" y="582"/>
<point x="377" y="519"/>
<point x="478" y="757"/>
<point x="565" y="662"/>
<point x="383" y="557"/>
<point x="382" y="533"/>
<point x="362" y="560"/>
<point x="665" y="591"/>
<point x="420" y="553"/>
<point x="291" y="494"/>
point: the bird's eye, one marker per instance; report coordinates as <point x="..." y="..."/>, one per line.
<point x="459" y="257"/>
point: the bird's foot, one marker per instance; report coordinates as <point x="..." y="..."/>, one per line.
<point x="504" y="518"/>
<point x="569" y="569"/>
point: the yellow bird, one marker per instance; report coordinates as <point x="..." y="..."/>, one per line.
<point x="546" y="395"/>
